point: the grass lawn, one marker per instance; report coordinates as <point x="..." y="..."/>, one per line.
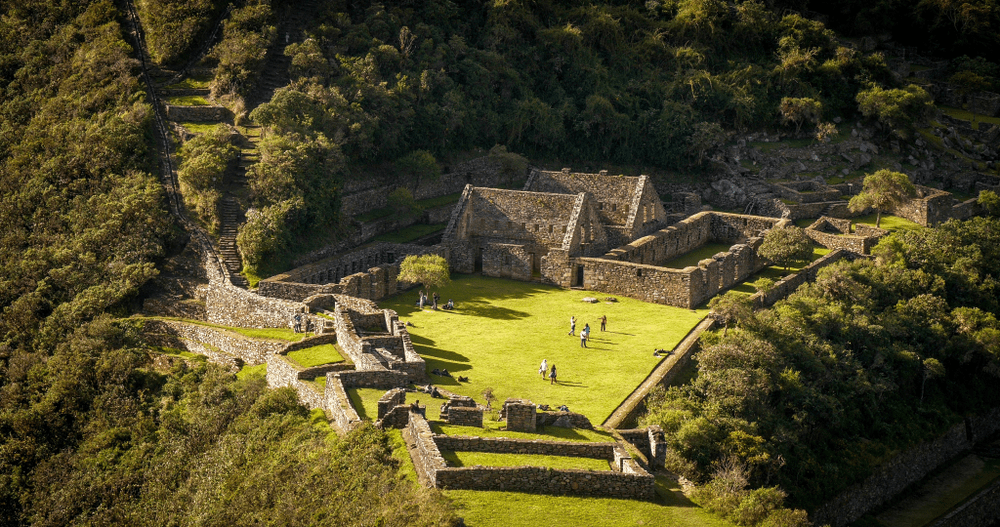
<point x="187" y="100"/>
<point x="316" y="355"/>
<point x="199" y="127"/>
<point x="493" y="428"/>
<point x="471" y="459"/>
<point x="941" y="492"/>
<point x="249" y="372"/>
<point x="514" y="509"/>
<point x="502" y="329"/>
<point x="693" y="257"/>
<point x="365" y="401"/>
<point x="196" y="82"/>
<point x="965" y="115"/>
<point x="285" y="334"/>
<point x="889" y="223"/>
<point x="411" y="233"/>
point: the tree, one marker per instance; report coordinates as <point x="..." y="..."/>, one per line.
<point x="785" y="245"/>
<point x="990" y="202"/>
<point x="730" y="307"/>
<point x="966" y="83"/>
<point x="932" y="368"/>
<point x="430" y="270"/>
<point x="401" y="200"/>
<point x="882" y="191"/>
<point x="799" y="110"/>
<point x="897" y="109"/>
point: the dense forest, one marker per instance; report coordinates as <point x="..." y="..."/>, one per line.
<point x="874" y="356"/>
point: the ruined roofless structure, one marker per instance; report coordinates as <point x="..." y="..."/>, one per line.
<point x="559" y="215"/>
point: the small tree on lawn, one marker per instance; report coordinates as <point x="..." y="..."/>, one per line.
<point x="882" y="191"/>
<point x="430" y="270"/>
<point x="783" y="246"/>
<point x="730" y="307"/>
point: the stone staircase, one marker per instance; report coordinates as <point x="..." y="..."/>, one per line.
<point x="292" y="23"/>
<point x="229" y="219"/>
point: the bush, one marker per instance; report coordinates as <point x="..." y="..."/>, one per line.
<point x="174" y="27"/>
<point x="420" y="164"/>
<point x="204" y="160"/>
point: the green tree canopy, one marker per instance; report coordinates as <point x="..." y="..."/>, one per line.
<point x="882" y="191"/>
<point x="785" y="245"/>
<point x="430" y="270"/>
<point x="897" y="109"/>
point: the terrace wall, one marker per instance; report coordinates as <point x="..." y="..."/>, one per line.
<point x="931" y="207"/>
<point x="840" y="238"/>
<point x="790" y="283"/>
<point x="195" y="337"/>
<point x="229" y="305"/>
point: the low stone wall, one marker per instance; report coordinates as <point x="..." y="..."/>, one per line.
<point x="861" y="242"/>
<point x="931" y="207"/>
<point x="504" y="445"/>
<point x="383" y="379"/>
<point x="790" y="283"/>
<point x="281" y="372"/>
<point x="338" y="405"/>
<point x="231" y="306"/>
<point x="567" y="419"/>
<point x="649" y="441"/>
<point x="892" y="478"/>
<point x="231" y="344"/>
<point x="541" y="480"/>
<point x="805" y="191"/>
<point x="982" y="510"/>
<point x="427" y="458"/>
<point x="390" y="400"/>
<point x="201" y="113"/>
<point x="462" y="416"/>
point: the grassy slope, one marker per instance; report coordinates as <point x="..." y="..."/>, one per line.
<point x="486" y="459"/>
<point x="316" y="355"/>
<point x="503" y="329"/>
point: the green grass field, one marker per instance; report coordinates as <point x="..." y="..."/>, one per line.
<point x="486" y="459"/>
<point x="515" y="509"/>
<point x="889" y="223"/>
<point x="502" y="329"/>
<point x="316" y="355"/>
<point x="365" y="401"/>
<point x="187" y="100"/>
<point x="497" y="429"/>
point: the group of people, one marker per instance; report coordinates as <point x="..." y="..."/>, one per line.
<point x="585" y="333"/>
<point x="433" y="301"/>
<point x="300" y="323"/>
<point x="544" y="368"/>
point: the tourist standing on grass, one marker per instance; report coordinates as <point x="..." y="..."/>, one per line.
<point x="421" y="301"/>
<point x="552" y="375"/>
<point x="543" y="368"/>
<point x="584" y="335"/>
<point x="572" y="325"/>
<point x="604" y="321"/>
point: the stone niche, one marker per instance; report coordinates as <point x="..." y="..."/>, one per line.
<point x="520" y="415"/>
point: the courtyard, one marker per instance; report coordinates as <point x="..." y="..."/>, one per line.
<point x="501" y="330"/>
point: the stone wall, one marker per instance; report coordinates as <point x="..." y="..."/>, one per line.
<point x="520" y="415"/>
<point x="981" y="510"/>
<point x="835" y="234"/>
<point x="930" y="208"/>
<point x="384" y="379"/>
<point x="686" y="288"/>
<point x="892" y="478"/>
<point x="427" y="458"/>
<point x="338" y="405"/>
<point x="281" y="372"/>
<point x="542" y="480"/>
<point x="563" y="419"/>
<point x="507" y="261"/>
<point x="784" y="287"/>
<point x="203" y="113"/>
<point x="649" y="441"/>
<point x="805" y="191"/>
<point x="195" y="337"/>
<point x="390" y="400"/>
<point x="231" y="306"/>
<point x="505" y="445"/>
<point x="462" y="416"/>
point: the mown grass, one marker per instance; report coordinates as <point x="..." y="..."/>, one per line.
<point x="365" y="401"/>
<point x="249" y="372"/>
<point x="889" y="222"/>
<point x="487" y="459"/>
<point x="501" y="330"/>
<point x="199" y="127"/>
<point x="187" y="100"/>
<point x="693" y="257"/>
<point x="496" y="429"/>
<point x="316" y="355"/>
<point x="515" y="509"/>
<point x="285" y="334"/>
<point x="197" y="82"/>
<point x="411" y="233"/>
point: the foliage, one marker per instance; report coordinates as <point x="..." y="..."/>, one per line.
<point x="174" y="27"/>
<point x="430" y="270"/>
<point x="204" y="160"/>
<point x="840" y="365"/>
<point x="785" y="245"/>
<point x="799" y="110"/>
<point x="990" y="202"/>
<point x="420" y="164"/>
<point x="899" y="110"/>
<point x="731" y="307"/>
<point x="246" y="35"/>
<point x="402" y="202"/>
<point x="882" y="190"/>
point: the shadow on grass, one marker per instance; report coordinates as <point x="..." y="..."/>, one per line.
<point x="440" y="354"/>
<point x="572" y="384"/>
<point x="670" y="493"/>
<point x="478" y="299"/>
